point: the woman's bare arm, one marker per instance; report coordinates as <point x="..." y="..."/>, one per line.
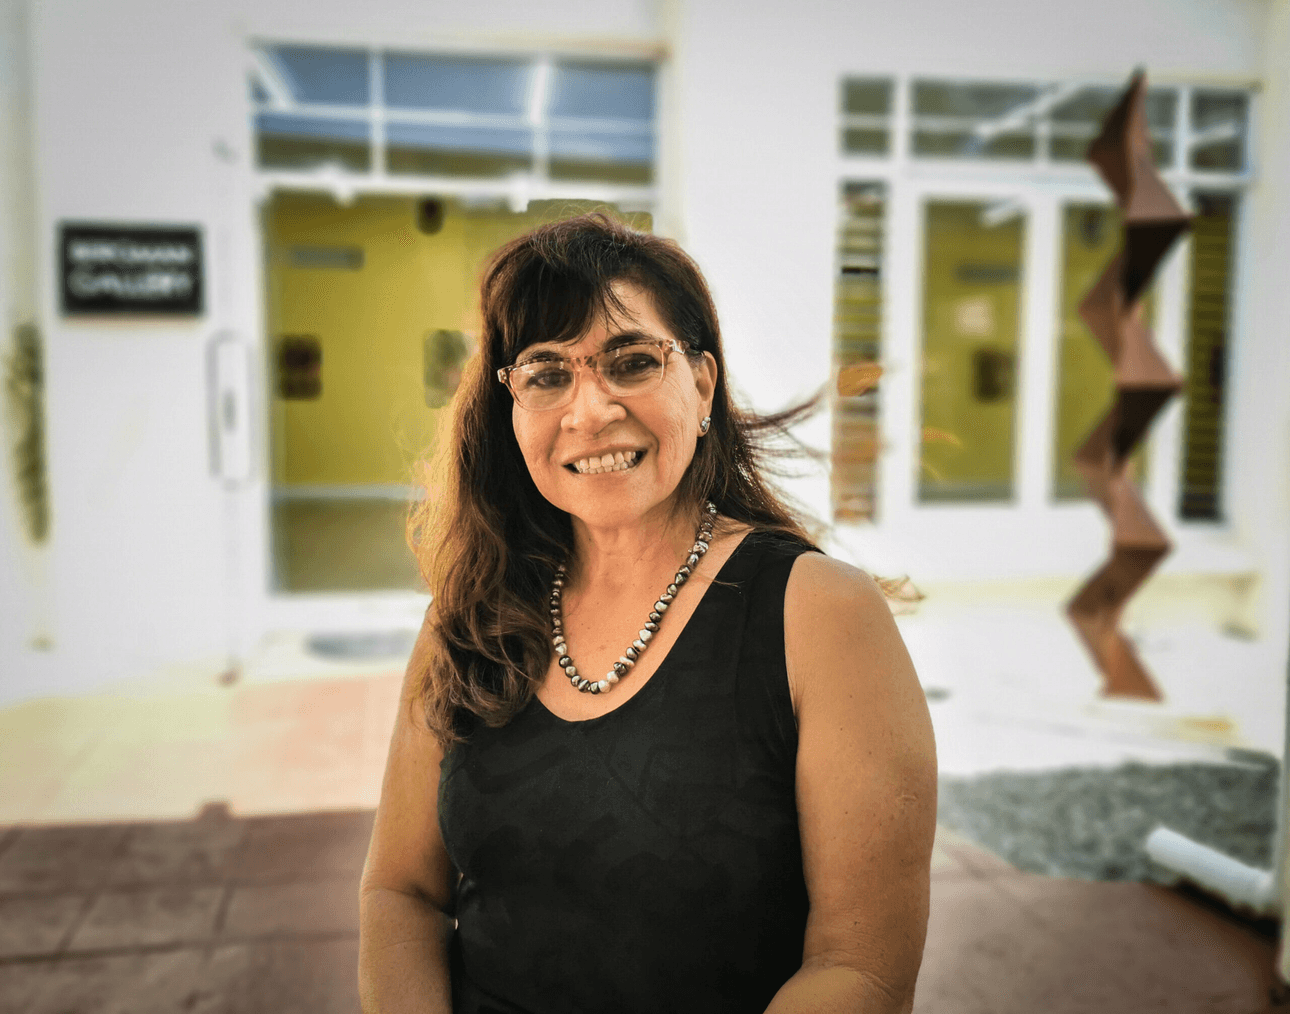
<point x="866" y="787"/>
<point x="405" y="899"/>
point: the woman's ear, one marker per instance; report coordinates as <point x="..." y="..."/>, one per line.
<point x="705" y="380"/>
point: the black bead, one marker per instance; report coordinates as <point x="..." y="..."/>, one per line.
<point x="651" y="626"/>
<point x="667" y="598"/>
<point x="594" y="688"/>
<point x="631" y="653"/>
<point x="620" y="669"/>
<point x="686" y="571"/>
<point x="671" y="589"/>
<point x="564" y="660"/>
<point x="655" y="617"/>
<point x="679" y="580"/>
<point x="583" y="684"/>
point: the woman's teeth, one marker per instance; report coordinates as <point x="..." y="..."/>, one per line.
<point x="618" y="462"/>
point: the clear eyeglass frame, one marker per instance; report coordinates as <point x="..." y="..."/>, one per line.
<point x="595" y="361"/>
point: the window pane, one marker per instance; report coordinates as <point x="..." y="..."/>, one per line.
<point x="608" y="91"/>
<point x="333" y="76"/>
<point x="866" y="95"/>
<point x="966" y="144"/>
<point x="1212" y="257"/>
<point x="1085" y="378"/>
<point x="497" y="86"/>
<point x="973" y="120"/>
<point x="445" y="150"/>
<point x="857" y="352"/>
<point x="971" y="306"/>
<point x="285" y="141"/>
<point x="865" y="140"/>
<point x="1218" y="130"/>
<point x="612" y="156"/>
<point x="979" y="101"/>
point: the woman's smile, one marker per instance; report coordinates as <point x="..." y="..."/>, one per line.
<point x="602" y="464"/>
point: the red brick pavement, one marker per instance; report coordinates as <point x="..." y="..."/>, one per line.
<point x="259" y="914"/>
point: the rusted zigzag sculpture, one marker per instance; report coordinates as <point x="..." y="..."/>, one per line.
<point x="1144" y="382"/>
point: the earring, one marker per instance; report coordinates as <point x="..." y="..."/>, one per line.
<point x="704" y="425"/>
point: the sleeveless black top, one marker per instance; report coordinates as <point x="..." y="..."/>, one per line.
<point x="647" y="860"/>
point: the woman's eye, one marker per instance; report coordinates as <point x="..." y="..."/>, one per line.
<point x="545" y="377"/>
<point x="634" y="364"/>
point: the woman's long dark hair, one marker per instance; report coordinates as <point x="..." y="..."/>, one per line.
<point x="487" y="542"/>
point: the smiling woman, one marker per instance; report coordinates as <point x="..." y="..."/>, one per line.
<point x="737" y="815"/>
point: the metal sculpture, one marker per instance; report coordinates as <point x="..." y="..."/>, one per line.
<point x="1144" y="382"/>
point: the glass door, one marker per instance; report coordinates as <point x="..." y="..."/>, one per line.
<point x="972" y="261"/>
<point x="370" y="308"/>
<point x="371" y="314"/>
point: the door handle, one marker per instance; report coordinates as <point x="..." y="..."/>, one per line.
<point x="230" y="387"/>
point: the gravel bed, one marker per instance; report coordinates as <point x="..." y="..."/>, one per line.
<point x="1092" y="823"/>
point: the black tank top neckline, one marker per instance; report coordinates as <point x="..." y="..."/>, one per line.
<point x="687" y="631"/>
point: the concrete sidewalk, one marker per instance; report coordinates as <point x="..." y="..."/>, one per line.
<point x="225" y="914"/>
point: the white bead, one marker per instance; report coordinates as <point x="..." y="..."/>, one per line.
<point x="626" y="661"/>
<point x="638" y="644"/>
<point x="604" y="685"/>
<point x="611" y="677"/>
<point x="660" y="606"/>
<point x="644" y="634"/>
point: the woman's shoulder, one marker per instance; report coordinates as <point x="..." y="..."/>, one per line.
<point x="836" y="620"/>
<point x="817" y="576"/>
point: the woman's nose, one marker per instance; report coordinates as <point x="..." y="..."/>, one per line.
<point x="592" y="407"/>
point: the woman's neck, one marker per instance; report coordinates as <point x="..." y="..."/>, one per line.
<point x="610" y="558"/>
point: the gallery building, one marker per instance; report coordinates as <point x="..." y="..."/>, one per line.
<point x="241" y="243"/>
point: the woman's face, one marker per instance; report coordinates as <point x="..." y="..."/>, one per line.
<point x="661" y="426"/>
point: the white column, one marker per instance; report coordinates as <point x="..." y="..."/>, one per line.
<point x="1258" y="478"/>
<point x="1036" y="374"/>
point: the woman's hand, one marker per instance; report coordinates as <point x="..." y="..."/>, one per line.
<point x="866" y="794"/>
<point x="405" y="899"/>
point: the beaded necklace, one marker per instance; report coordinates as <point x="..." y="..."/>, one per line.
<point x="627" y="660"/>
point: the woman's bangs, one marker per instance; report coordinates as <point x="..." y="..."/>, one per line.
<point x="552" y="306"/>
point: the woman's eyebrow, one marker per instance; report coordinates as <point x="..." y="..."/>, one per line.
<point x="537" y="355"/>
<point x="620" y="338"/>
<point x="628" y="338"/>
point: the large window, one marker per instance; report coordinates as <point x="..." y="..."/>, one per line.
<point x="392" y="114"/>
<point x="994" y="173"/>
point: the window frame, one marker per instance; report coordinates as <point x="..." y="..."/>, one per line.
<point x="517" y="188"/>
<point x="1043" y="186"/>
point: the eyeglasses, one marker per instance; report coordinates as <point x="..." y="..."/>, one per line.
<point x="623" y="371"/>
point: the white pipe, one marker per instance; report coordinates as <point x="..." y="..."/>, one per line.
<point x="1242" y="886"/>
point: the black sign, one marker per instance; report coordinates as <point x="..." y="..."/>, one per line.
<point x="110" y="269"/>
